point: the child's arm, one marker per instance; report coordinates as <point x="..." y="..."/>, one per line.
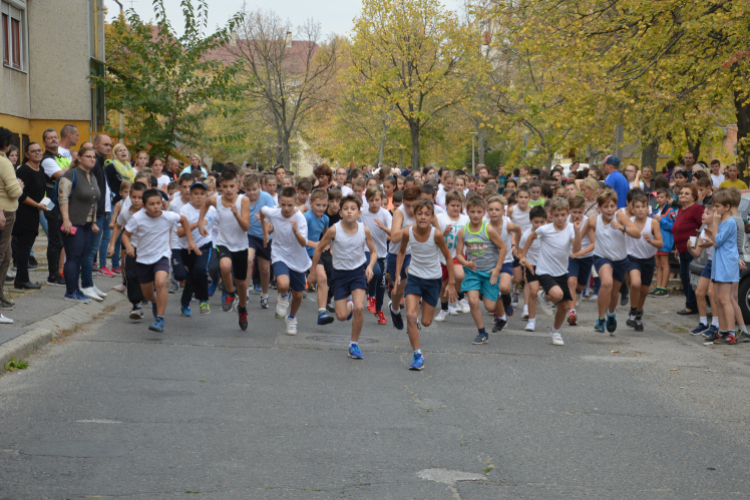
<point x="191" y="243"/>
<point x="451" y="286"/>
<point x="115" y="213"/>
<point x="623" y="222"/>
<point x="373" y="255"/>
<point x="300" y="238"/>
<point x="243" y="214"/>
<point x="516" y="236"/>
<point x="325" y="240"/>
<point x="396" y="233"/>
<point x="115" y="233"/>
<point x="265" y="228"/>
<point x="401" y="256"/>
<point x="522" y="254"/>
<point x="382" y="226"/>
<point x="500" y="244"/>
<point x="210" y="202"/>
<point x="577" y="232"/>
<point x="657" y="241"/>
<point x="126" y="244"/>
<point x="586" y="229"/>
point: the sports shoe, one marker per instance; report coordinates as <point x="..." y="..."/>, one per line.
<point x="638" y="323"/>
<point x="330" y="307"/>
<point x="120" y="287"/>
<point x="371" y="305"/>
<point x="698" y="330"/>
<point x="5" y="320"/>
<point x="157" y="326"/>
<point x="624" y="296"/>
<point x="90" y="293"/>
<point x="174" y="287"/>
<point x="76" y="297"/>
<point x="99" y="292"/>
<point x="545" y="304"/>
<point x="572" y="318"/>
<point x="186" y="312"/>
<point x="710" y="335"/>
<point x="653" y="292"/>
<point x="282" y="306"/>
<point x="742" y="337"/>
<point x="205" y="308"/>
<point x="593" y="298"/>
<point x="243" y="317"/>
<point x="661" y="292"/>
<point x="228" y="303"/>
<point x="33" y="264"/>
<point x="441" y="315"/>
<point x="257" y="288"/>
<point x="525" y="314"/>
<point x="354" y="352"/>
<point x="398" y="322"/>
<point x="6" y="304"/>
<point x="514" y="299"/>
<point x="117" y="271"/>
<point x="499" y="325"/>
<point x="579" y="298"/>
<point x="350" y="306"/>
<point x="291" y="325"/>
<point x="418" y="364"/>
<point x="464" y="305"/>
<point x="727" y="339"/>
<point x="212" y="289"/>
<point x="453" y="310"/>
<point x="600" y="325"/>
<point x="105" y="271"/>
<point x="264" y="302"/>
<point x="381" y="318"/>
<point x="481" y="338"/>
<point x="611" y="323"/>
<point x="529" y="327"/>
<point x="509" y="311"/>
<point x="325" y="319"/>
<point x="631" y="320"/>
<point x="136" y="314"/>
<point x="557" y="339"/>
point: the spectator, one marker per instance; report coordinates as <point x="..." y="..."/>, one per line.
<point x="118" y="169"/>
<point x="173" y="169"/>
<point x="633" y="177"/>
<point x="141" y="160"/>
<point x="688" y="160"/>
<point x="590" y="190"/>
<point x="680" y="177"/>
<point x="716" y="176"/>
<point x="102" y="148"/>
<point x="10" y="191"/>
<point x="616" y="180"/>
<point x="78" y="194"/>
<point x="686" y="224"/>
<point x="68" y="140"/>
<point x="27" y="217"/>
<point x="195" y="165"/>
<point x="732" y="180"/>
<point x="53" y="165"/>
<point x="14" y="157"/>
<point x="647" y="177"/>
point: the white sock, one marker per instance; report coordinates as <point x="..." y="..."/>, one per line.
<point x="264" y="295"/>
<point x="743" y="328"/>
<point x="703" y="320"/>
<point x="572" y="311"/>
<point x="525" y="309"/>
<point x="504" y="318"/>
<point x="532" y="322"/>
<point x="396" y="311"/>
<point x="554" y="330"/>
<point x="715" y="321"/>
<point x="418" y="351"/>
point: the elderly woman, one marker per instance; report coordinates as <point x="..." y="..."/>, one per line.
<point x="590" y="190"/>
<point x="686" y="224"/>
<point x="78" y="193"/>
<point x="10" y="191"/>
<point x="647" y="177"/>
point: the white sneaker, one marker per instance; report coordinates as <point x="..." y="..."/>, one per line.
<point x="99" y="292"/>
<point x="120" y="288"/>
<point x="453" y="310"/>
<point x="282" y="307"/>
<point x="593" y="298"/>
<point x="464" y="304"/>
<point x="10" y="274"/>
<point x="90" y="293"/>
<point x="441" y="315"/>
<point x="545" y="304"/>
<point x="525" y="314"/>
<point x="291" y="326"/>
<point x="579" y="298"/>
<point x="5" y="320"/>
<point x="530" y="327"/>
<point x="557" y="339"/>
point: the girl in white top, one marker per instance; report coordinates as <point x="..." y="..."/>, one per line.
<point x="503" y="225"/>
<point x="641" y="252"/>
<point x="519" y="215"/>
<point x="157" y="168"/>
<point x="349" y="240"/>
<point x="450" y="223"/>
<point x="425" y="276"/>
<point x="378" y="220"/>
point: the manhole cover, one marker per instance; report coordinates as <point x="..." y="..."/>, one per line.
<point x="339" y="339"/>
<point x="77" y="449"/>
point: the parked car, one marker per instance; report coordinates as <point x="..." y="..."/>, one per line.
<point x="743" y="296"/>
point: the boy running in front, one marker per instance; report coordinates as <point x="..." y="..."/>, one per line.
<point x="504" y="227"/>
<point x="538" y="217"/>
<point x="579" y="264"/>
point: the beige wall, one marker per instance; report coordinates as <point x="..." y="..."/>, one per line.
<point x="14" y="92"/>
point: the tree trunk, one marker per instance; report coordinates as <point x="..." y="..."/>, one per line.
<point x="742" y="112"/>
<point x="693" y="144"/>
<point x="381" y="146"/>
<point x="286" y="155"/>
<point x="480" y="144"/>
<point x="414" y="146"/>
<point x="650" y="154"/>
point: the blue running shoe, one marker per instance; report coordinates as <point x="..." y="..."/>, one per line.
<point x="257" y="288"/>
<point x="418" y="363"/>
<point x="611" y="323"/>
<point x="354" y="352"/>
<point x="600" y="323"/>
<point x="186" y="312"/>
<point x="212" y="289"/>
<point x="702" y="327"/>
<point x="711" y="332"/>
<point x="153" y="309"/>
<point x="509" y="311"/>
<point x="76" y="297"/>
<point x="398" y="322"/>
<point x="157" y="326"/>
<point x="324" y="319"/>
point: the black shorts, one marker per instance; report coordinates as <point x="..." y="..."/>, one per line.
<point x="549" y="282"/>
<point x="257" y="245"/>
<point x="147" y="272"/>
<point x="646" y="268"/>
<point x="530" y="276"/>
<point x="239" y="261"/>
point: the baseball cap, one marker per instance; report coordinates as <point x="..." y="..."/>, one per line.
<point x="198" y="184"/>
<point x="612" y="160"/>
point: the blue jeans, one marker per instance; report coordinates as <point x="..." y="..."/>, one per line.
<point x="690" y="300"/>
<point x="87" y="279"/>
<point x="76" y="248"/>
<point x="106" y="233"/>
<point x="43" y="222"/>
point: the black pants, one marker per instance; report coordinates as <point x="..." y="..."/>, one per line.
<point x="54" y="244"/>
<point x="196" y="277"/>
<point x="135" y="295"/>
<point x="23" y="243"/>
<point x="326" y="259"/>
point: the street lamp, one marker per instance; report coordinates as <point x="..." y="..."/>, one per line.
<point x="473" y="166"/>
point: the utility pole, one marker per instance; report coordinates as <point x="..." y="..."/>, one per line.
<point x="473" y="161"/>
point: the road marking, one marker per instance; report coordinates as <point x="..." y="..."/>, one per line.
<point x="97" y="421"/>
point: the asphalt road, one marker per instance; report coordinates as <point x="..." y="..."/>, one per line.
<point x="207" y="411"/>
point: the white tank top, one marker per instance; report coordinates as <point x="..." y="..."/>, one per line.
<point x="610" y="242"/>
<point x="585" y="240"/>
<point x="425" y="262"/>
<point x="231" y="234"/>
<point x="408" y="221"/>
<point x="640" y="248"/>
<point x="505" y="236"/>
<point x="348" y="250"/>
<point x="521" y="219"/>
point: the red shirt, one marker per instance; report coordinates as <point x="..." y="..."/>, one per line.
<point x="686" y="224"/>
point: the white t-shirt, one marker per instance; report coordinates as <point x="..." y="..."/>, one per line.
<point x="153" y="235"/>
<point x="50" y="167"/>
<point x="162" y="181"/>
<point x="193" y="214"/>
<point x="554" y="249"/>
<point x="438" y="209"/>
<point x="716" y="180"/>
<point x="452" y="237"/>
<point x="345" y="191"/>
<point x="379" y="237"/>
<point x="175" y="206"/>
<point x="65" y="153"/>
<point x="440" y="196"/>
<point x="709" y="250"/>
<point x="533" y="254"/>
<point x="285" y="246"/>
<point x="122" y="219"/>
<point x="108" y="198"/>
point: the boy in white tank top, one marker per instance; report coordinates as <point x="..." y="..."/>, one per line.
<point x="233" y="216"/>
<point x="519" y="214"/>
<point x="196" y="282"/>
<point x="503" y="226"/>
<point x="581" y="262"/>
<point x="350" y="276"/>
<point x="641" y="253"/>
<point x="425" y="275"/>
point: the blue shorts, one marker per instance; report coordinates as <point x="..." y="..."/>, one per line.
<point x="429" y="290"/>
<point x="480" y="280"/>
<point x="343" y="282"/>
<point x="619" y="268"/>
<point x="296" y="279"/>
<point x="706" y="273"/>
<point x="257" y="244"/>
<point x="507" y="268"/>
<point x="581" y="268"/>
<point x="646" y="267"/>
<point x="391" y="266"/>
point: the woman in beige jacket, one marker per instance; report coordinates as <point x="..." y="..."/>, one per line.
<point x="10" y="191"/>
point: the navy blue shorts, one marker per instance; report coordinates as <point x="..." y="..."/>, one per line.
<point x="391" y="266"/>
<point x="646" y="267"/>
<point x="619" y="268"/>
<point x="706" y="273"/>
<point x="147" y="272"/>
<point x="507" y="268"/>
<point x="581" y="268"/>
<point x="346" y="281"/>
<point x="257" y="244"/>
<point x="296" y="280"/>
<point x="516" y="262"/>
<point x="429" y="290"/>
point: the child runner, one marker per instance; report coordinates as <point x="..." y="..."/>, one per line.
<point x="705" y="287"/>
<point x="557" y="240"/>
<point x="519" y="215"/>
<point x="348" y="240"/>
<point x="641" y="254"/>
<point x="233" y="217"/>
<point x="151" y="228"/>
<point x="579" y="264"/>
<point x="258" y="199"/>
<point x="317" y="223"/>
<point x="481" y="251"/>
<point x="130" y="206"/>
<point x="181" y="198"/>
<point x="403" y="217"/>
<point x="450" y="224"/>
<point x="423" y="242"/>
<point x="538" y="216"/>
<point x="326" y="259"/>
<point x="665" y="215"/>
<point x="378" y="220"/>
<point x="289" y="257"/>
<point x="504" y="227"/>
<point x="196" y="281"/>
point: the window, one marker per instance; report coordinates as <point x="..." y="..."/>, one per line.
<point x="12" y="26"/>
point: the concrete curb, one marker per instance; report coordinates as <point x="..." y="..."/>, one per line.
<point x="43" y="331"/>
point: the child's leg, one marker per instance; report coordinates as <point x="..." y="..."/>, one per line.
<point x="504" y="297"/>
<point x="562" y="312"/>
<point x="240" y="265"/>
<point x="322" y="281"/>
<point x="225" y="266"/>
<point x="188" y="259"/>
<point x="199" y="274"/>
<point x="724" y="298"/>
<point x="282" y="284"/>
<point x="664" y="267"/>
<point x="736" y="306"/>
<point x="659" y="270"/>
<point x="573" y="285"/>
<point x="607" y="290"/>
<point x="160" y="283"/>
<point x="358" y="318"/>
<point x="614" y="298"/>
<point x="379" y="285"/>
<point x="296" y="302"/>
<point x="412" y="314"/>
<point x="428" y="312"/>
<point x="533" y="289"/>
<point x="264" y="269"/>
<point x="147" y="289"/>
<point x="458" y="275"/>
<point x="635" y="288"/>
<point x="700" y="296"/>
<point x="476" y="312"/>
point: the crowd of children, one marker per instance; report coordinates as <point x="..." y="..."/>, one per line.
<point x="431" y="240"/>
